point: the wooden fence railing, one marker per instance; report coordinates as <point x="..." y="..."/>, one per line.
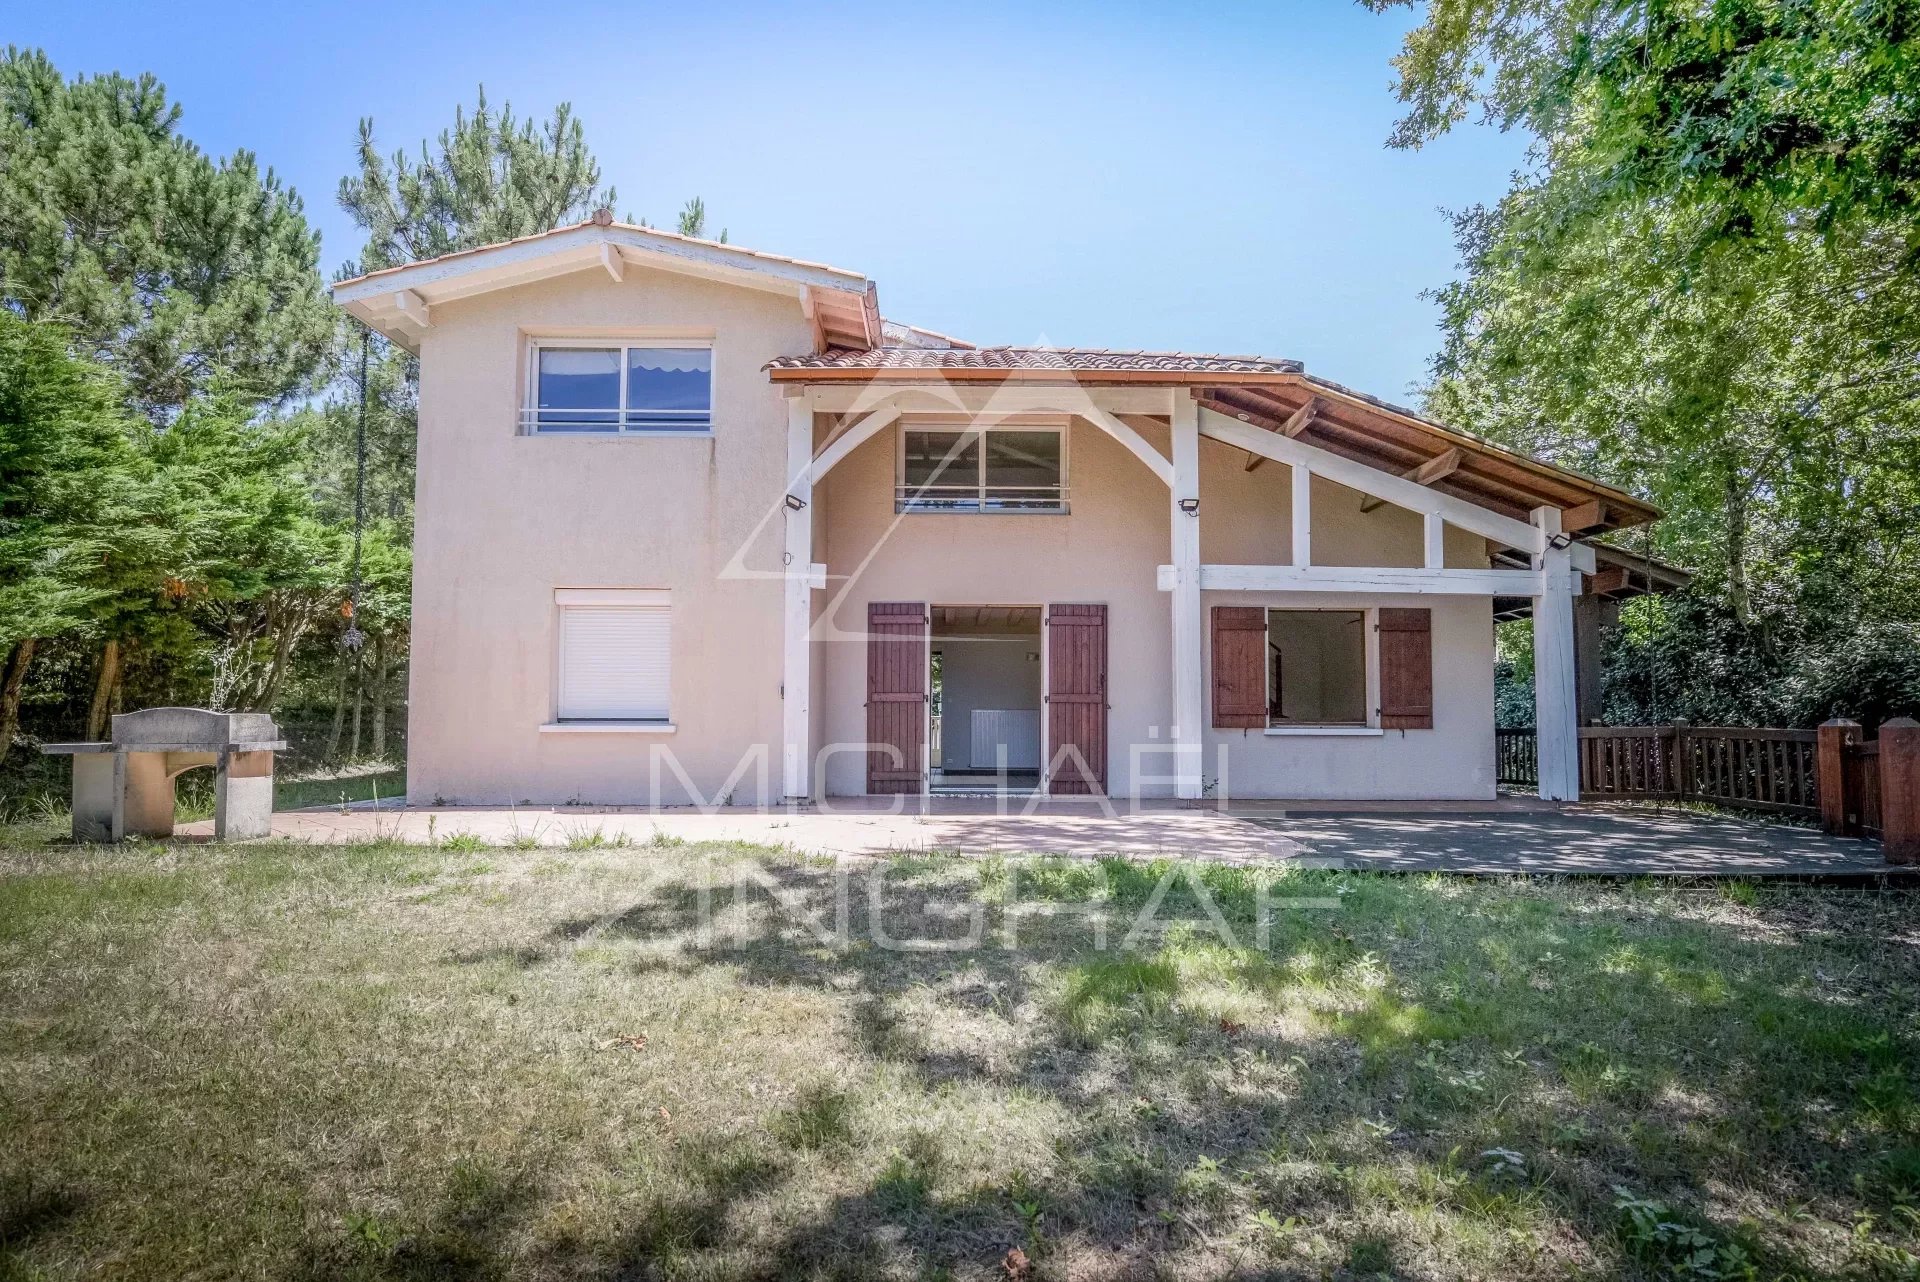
<point x="1830" y="774"/>
<point x="1516" y="757"/>
<point x="1755" y="768"/>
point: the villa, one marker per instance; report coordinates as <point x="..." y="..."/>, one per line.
<point x="695" y="523"/>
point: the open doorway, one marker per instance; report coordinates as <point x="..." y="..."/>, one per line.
<point x="985" y="706"/>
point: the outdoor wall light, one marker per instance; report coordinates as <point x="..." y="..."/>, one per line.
<point x="795" y="502"/>
<point x="1558" y="541"/>
<point x="1190" y="506"/>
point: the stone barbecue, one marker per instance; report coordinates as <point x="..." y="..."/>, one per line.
<point x="125" y="787"/>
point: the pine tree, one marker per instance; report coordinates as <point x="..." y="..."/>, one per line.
<point x="693" y="221"/>
<point x="178" y="271"/>
<point x="491" y="177"/>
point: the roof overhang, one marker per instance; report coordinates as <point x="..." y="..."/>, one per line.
<point x="955" y="374"/>
<point x="398" y="302"/>
<point x="1618" y="575"/>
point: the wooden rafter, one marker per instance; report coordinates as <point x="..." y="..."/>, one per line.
<point x="1291" y="426"/>
<point x="1437" y="468"/>
<point x="1585" y="516"/>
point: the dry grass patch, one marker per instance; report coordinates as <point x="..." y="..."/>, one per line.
<point x="691" y="1062"/>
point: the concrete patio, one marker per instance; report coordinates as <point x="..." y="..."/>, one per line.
<point x="1511" y="835"/>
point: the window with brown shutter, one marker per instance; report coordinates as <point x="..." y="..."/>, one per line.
<point x="1239" y="667"/>
<point x="1406" y="669"/>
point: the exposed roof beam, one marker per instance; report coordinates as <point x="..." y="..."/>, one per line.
<point x="412" y="307"/>
<point x="1292" y="425"/>
<point x="1436" y="468"/>
<point x="1585" y="516"/>
<point x="1338" y="468"/>
<point x="610" y="259"/>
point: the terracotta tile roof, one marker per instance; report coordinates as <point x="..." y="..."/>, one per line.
<point x="1073" y="360"/>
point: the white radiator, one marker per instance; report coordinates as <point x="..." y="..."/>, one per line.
<point x="1015" y="729"/>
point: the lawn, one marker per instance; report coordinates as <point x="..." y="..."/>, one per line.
<point x="276" y="1061"/>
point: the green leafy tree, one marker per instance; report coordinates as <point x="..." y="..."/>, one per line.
<point x="1766" y="112"/>
<point x="231" y="564"/>
<point x="69" y="482"/>
<point x="1703" y="287"/>
<point x="177" y="270"/>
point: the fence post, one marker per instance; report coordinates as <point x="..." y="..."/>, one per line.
<point x="1682" y="762"/>
<point x="1830" y="772"/>
<point x="1900" y="790"/>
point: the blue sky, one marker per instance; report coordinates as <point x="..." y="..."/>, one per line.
<point x="1110" y="174"/>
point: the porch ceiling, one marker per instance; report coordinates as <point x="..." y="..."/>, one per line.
<point x="1396" y="440"/>
<point x="986" y="620"/>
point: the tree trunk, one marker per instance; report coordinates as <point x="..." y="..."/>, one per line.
<point x="1736" y="517"/>
<point x="359" y="697"/>
<point x="10" y="693"/>
<point x="379" y="697"/>
<point x="290" y="625"/>
<point x="103" y="685"/>
<point x="339" y="707"/>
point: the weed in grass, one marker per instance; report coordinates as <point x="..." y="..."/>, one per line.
<point x="1658" y="1236"/>
<point x="1104" y="995"/>
<point x="463" y="842"/>
<point x="904" y="1184"/>
<point x="582" y="837"/>
<point x="1370" y="1256"/>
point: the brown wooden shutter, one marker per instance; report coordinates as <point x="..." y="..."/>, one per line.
<point x="1239" y="667"/>
<point x="896" y="696"/>
<point x="1406" y="669"/>
<point x="1077" y="699"/>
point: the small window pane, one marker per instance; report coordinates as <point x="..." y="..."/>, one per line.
<point x="669" y="388"/>
<point x="942" y="470"/>
<point x="1317" y="667"/>
<point x="1023" y="470"/>
<point x="579" y="389"/>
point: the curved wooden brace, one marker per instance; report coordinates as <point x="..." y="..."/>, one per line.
<point x="886" y="412"/>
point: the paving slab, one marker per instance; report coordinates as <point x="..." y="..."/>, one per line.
<point x="1613" y="841"/>
<point x="1507" y="836"/>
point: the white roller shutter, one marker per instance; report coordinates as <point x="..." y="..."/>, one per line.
<point x="614" y="656"/>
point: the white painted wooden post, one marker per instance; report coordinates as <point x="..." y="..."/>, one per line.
<point x="1436" y="541"/>
<point x="1555" y="715"/>
<point x="1189" y="701"/>
<point x="797" y="667"/>
<point x="1302" y="515"/>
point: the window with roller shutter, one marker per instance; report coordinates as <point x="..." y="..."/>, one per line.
<point x="615" y="652"/>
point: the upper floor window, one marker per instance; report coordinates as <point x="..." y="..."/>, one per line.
<point x="966" y="468"/>
<point x="651" y="388"/>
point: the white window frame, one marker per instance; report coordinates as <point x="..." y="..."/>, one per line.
<point x="530" y="402"/>
<point x="564" y="598"/>
<point x="902" y="504"/>
<point x="1370" y="649"/>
